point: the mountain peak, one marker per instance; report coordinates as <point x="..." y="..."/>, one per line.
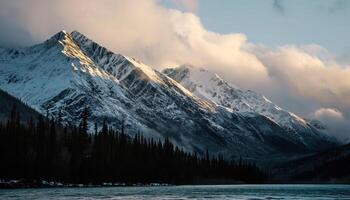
<point x="75" y="32"/>
<point x="63" y="33"/>
<point x="190" y="67"/>
<point x="212" y="87"/>
<point x="70" y="72"/>
<point x="199" y="74"/>
<point x="77" y="35"/>
<point x="58" y="36"/>
<point x="54" y="40"/>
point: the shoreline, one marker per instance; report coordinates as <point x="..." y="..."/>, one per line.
<point x="36" y="184"/>
<point x="23" y="184"/>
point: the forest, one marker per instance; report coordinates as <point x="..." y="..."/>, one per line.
<point x="46" y="149"/>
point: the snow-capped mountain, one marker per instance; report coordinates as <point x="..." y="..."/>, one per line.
<point x="69" y="72"/>
<point x="210" y="86"/>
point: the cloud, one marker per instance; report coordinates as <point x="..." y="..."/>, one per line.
<point x="304" y="78"/>
<point x="328" y="113"/>
<point x="188" y="5"/>
<point x="308" y="76"/>
<point x="337" y="125"/>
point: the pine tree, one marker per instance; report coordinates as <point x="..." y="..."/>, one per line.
<point x="47" y="150"/>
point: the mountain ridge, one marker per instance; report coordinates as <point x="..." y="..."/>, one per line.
<point x="123" y="90"/>
<point x="212" y="87"/>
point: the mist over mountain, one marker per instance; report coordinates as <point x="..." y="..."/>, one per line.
<point x="283" y="59"/>
<point x="195" y="108"/>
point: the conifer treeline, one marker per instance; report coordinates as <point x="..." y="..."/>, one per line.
<point x="47" y="150"/>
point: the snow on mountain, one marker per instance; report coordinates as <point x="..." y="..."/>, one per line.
<point x="69" y="72"/>
<point x="212" y="87"/>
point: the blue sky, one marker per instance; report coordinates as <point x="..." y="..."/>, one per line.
<point x="295" y="52"/>
<point x="279" y="22"/>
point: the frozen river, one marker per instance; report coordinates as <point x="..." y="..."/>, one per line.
<point x="186" y="192"/>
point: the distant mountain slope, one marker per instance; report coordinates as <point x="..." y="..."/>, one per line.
<point x="331" y="166"/>
<point x="6" y="105"/>
<point x="69" y="72"/>
<point x="210" y="86"/>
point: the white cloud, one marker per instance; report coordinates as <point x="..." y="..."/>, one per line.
<point x="165" y="37"/>
<point x="141" y="28"/>
<point x="328" y="113"/>
<point x="308" y="76"/>
<point x="188" y="5"/>
<point x="336" y="124"/>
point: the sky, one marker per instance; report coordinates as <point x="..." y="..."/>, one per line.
<point x="295" y="52"/>
<point x="293" y="21"/>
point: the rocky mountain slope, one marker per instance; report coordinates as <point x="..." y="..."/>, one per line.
<point x="69" y="72"/>
<point x="211" y="87"/>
